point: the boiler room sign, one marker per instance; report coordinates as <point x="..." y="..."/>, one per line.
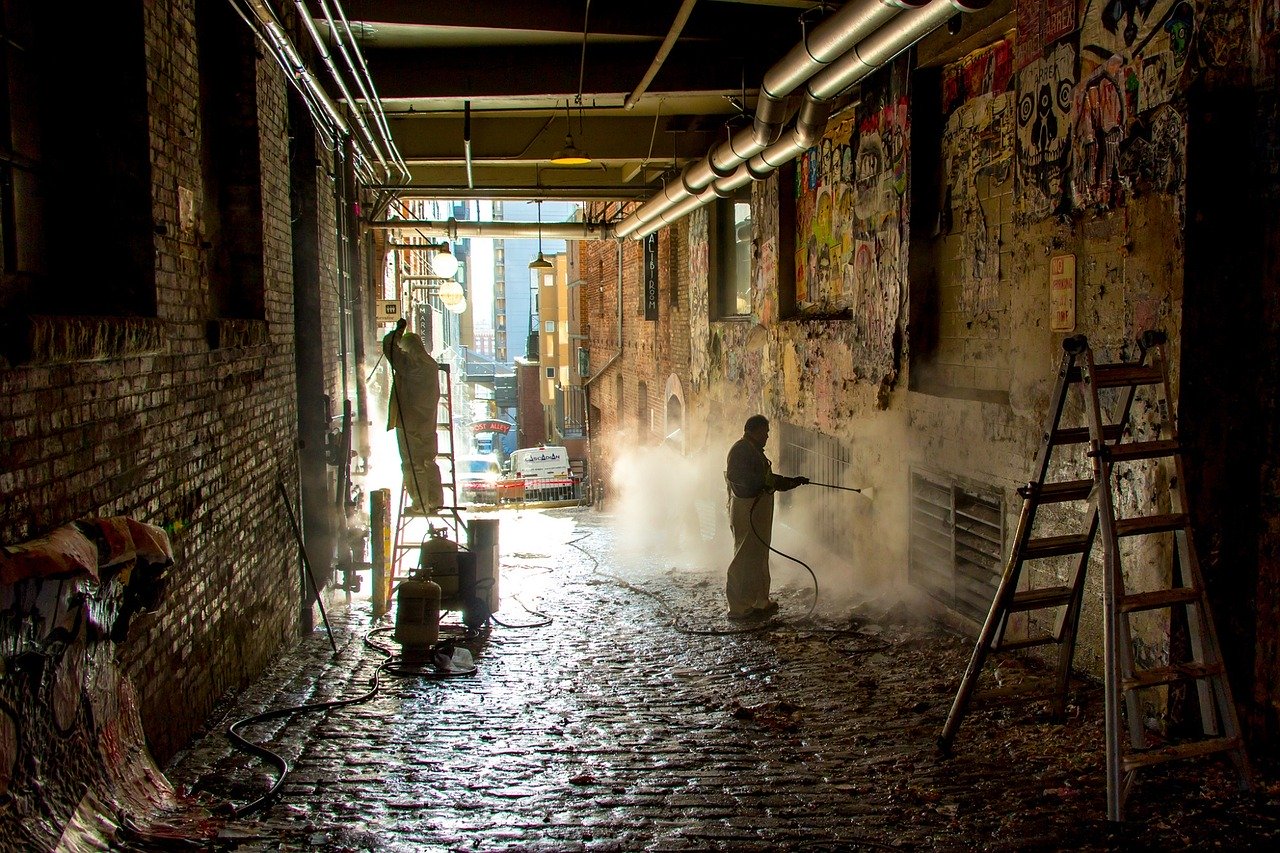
<point x="651" y="277"/>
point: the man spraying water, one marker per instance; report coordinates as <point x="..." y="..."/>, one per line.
<point x="752" y="483"/>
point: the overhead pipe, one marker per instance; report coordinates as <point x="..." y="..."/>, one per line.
<point x="452" y="229"/>
<point x="869" y="55"/>
<point x="293" y="61"/>
<point x="327" y="58"/>
<point x="866" y="55"/>
<point x="370" y="98"/>
<point x="828" y="42"/>
<point x="466" y="143"/>
<point x="375" y="103"/>
<point x="673" y="34"/>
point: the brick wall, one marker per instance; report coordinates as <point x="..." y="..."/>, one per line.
<point x="651" y="352"/>
<point x="174" y="430"/>
<point x="531" y="419"/>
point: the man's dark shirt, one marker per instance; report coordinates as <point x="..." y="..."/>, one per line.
<point x="747" y="469"/>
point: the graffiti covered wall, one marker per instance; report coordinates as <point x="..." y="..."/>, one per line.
<point x="851" y="197"/>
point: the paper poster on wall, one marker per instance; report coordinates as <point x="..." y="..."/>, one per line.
<point x="1062" y="293"/>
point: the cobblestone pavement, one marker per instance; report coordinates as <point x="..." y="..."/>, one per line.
<point x="612" y="730"/>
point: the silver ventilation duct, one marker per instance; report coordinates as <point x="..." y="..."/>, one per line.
<point x="827" y="43"/>
<point x="870" y="51"/>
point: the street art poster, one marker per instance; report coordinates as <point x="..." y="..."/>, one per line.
<point x="699" y="314"/>
<point x="1132" y="55"/>
<point x="977" y="150"/>
<point x="850" y="197"/>
<point x="1039" y="26"/>
<point x="1045" y="94"/>
<point x="1264" y="24"/>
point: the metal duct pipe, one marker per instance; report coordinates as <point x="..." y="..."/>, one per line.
<point x="826" y="43"/>
<point x="374" y="102"/>
<point x="883" y="45"/>
<point x="466" y="143"/>
<point x="327" y="58"/>
<point x="867" y="55"/>
<point x="293" y="61"/>
<point x="452" y="229"/>
<point x="371" y="102"/>
<point x="805" y="133"/>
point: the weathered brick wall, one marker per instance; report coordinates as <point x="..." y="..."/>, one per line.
<point x="530" y="416"/>
<point x="182" y="435"/>
<point x="653" y="354"/>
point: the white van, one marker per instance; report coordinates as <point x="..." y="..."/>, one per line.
<point x="544" y="473"/>
<point x="540" y="463"/>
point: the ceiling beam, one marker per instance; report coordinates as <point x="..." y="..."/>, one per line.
<point x="532" y="138"/>
<point x="468" y="19"/>
<point x="507" y="73"/>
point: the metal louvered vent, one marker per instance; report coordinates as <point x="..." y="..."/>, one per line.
<point x="957" y="543"/>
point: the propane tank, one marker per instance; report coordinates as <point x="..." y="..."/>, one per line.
<point x="440" y="562"/>
<point x="418" y="614"/>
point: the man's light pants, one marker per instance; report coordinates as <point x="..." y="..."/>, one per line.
<point x="751" y="520"/>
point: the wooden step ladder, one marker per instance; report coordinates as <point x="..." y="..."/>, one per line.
<point x="1110" y="443"/>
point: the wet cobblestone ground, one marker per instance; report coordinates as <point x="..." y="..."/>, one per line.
<point x="612" y="730"/>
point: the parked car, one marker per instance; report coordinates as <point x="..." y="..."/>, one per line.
<point x="478" y="477"/>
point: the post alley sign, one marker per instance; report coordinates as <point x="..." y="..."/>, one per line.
<point x="491" y="426"/>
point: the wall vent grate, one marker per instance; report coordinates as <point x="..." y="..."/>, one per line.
<point x="957" y="543"/>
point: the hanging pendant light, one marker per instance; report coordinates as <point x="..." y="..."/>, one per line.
<point x="443" y="263"/>
<point x="570" y="154"/>
<point x="540" y="263"/>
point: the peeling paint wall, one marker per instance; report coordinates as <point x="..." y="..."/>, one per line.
<point x="922" y="335"/>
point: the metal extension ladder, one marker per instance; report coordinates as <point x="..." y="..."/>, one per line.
<point x="413" y="524"/>
<point x="1110" y="443"/>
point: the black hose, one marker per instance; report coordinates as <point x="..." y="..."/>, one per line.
<point x="546" y="620"/>
<point x="280" y="762"/>
<point x="751" y="514"/>
<point x="675" y="618"/>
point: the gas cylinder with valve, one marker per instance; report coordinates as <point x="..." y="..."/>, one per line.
<point x="440" y="563"/>
<point x="417" y="614"/>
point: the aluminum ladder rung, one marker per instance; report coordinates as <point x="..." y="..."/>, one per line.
<point x="1040" y="599"/>
<point x="1145" y="524"/>
<point x="1026" y="643"/>
<point x="1122" y="375"/>
<point x="1064" y="490"/>
<point x="1080" y="435"/>
<point x="1134" y="450"/>
<point x="1157" y="676"/>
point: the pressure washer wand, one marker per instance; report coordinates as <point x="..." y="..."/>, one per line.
<point x="865" y="491"/>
